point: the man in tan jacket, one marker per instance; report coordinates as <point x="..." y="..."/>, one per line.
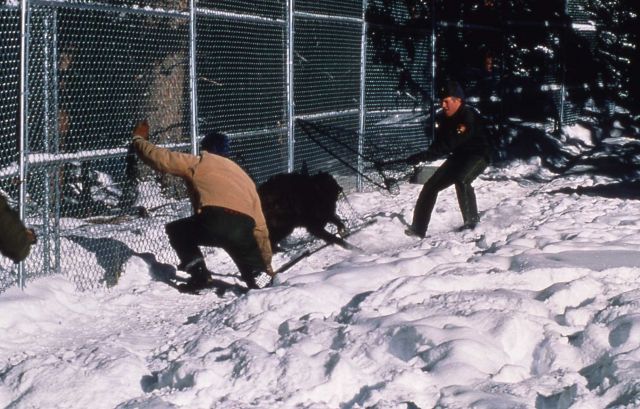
<point x="226" y="212"/>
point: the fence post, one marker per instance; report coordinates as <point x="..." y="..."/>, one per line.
<point x="290" y="95"/>
<point x="563" y="36"/>
<point x="193" y="79"/>
<point x="363" y="84"/>
<point x="49" y="64"/>
<point x="433" y="69"/>
<point x="55" y="146"/>
<point x="23" y="116"/>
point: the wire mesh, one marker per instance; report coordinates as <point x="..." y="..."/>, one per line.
<point x="345" y="8"/>
<point x="271" y="9"/>
<point x="241" y="89"/>
<point x="9" y="71"/>
<point x="328" y="143"/>
<point x="578" y="11"/>
<point x="327" y="65"/>
<point x="579" y="46"/>
<point x="512" y="72"/>
<point x="240" y="75"/>
<point x="524" y="11"/>
<point x="398" y="83"/>
<point x="398" y="70"/>
<point x="394" y="135"/>
<point x="9" y="88"/>
<point x="96" y="67"/>
<point x="261" y="154"/>
<point x="390" y="86"/>
<point x="90" y="80"/>
<point x="327" y="93"/>
<point x="160" y="6"/>
<point x="531" y="92"/>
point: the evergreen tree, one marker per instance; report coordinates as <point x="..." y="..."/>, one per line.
<point x="616" y="50"/>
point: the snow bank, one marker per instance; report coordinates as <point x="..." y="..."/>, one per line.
<point x="536" y="307"/>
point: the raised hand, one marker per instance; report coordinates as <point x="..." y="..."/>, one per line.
<point x="142" y="130"/>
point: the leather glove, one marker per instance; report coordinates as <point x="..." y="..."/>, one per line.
<point x="142" y="130"/>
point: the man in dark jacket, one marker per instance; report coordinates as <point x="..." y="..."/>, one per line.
<point x="15" y="238"/>
<point x="459" y="134"/>
<point x="227" y="212"/>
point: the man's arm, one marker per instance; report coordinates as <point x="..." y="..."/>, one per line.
<point x="161" y="159"/>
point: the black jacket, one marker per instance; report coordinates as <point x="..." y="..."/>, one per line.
<point x="14" y="242"/>
<point x="462" y="135"/>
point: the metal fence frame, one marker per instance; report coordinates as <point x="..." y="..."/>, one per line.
<point x="193" y="14"/>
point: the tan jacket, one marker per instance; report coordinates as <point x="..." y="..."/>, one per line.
<point x="212" y="180"/>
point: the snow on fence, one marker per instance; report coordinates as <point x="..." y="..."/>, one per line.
<point x="249" y="69"/>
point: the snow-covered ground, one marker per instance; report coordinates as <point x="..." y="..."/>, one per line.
<point x="538" y="307"/>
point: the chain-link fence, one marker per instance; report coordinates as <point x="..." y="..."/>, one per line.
<point x="331" y="85"/>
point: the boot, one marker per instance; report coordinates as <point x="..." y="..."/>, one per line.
<point x="200" y="276"/>
<point x="413" y="232"/>
<point x="468" y="205"/>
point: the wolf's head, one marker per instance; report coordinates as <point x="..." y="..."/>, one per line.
<point x="327" y="185"/>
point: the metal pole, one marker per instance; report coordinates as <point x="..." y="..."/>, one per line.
<point x="290" y="95"/>
<point x="433" y="69"/>
<point x="193" y="84"/>
<point x="49" y="62"/>
<point x="22" y="118"/>
<point x="564" y="68"/>
<point x="363" y="83"/>
<point x="55" y="147"/>
<point x="111" y="8"/>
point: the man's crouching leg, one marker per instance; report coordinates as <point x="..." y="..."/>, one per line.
<point x="465" y="193"/>
<point x="200" y="276"/>
<point x="184" y="238"/>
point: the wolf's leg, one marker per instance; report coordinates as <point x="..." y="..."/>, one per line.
<point x="335" y="219"/>
<point x="321" y="233"/>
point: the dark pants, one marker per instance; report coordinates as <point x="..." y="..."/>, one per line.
<point x="217" y="227"/>
<point x="460" y="171"/>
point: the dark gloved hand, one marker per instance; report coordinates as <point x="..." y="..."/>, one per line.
<point x="416" y="158"/>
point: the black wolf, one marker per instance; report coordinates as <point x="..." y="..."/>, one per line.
<point x="291" y="200"/>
